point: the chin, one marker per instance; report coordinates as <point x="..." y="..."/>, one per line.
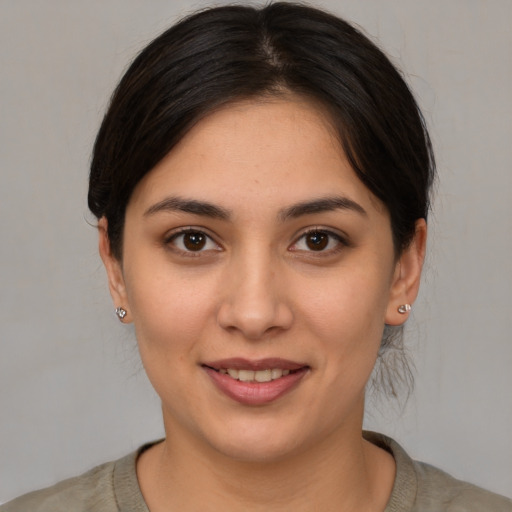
<point x="253" y="450"/>
<point x="258" y="440"/>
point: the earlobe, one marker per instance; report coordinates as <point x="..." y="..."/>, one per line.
<point x="114" y="271"/>
<point x="406" y="280"/>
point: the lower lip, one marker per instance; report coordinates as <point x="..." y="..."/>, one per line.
<point x="255" y="393"/>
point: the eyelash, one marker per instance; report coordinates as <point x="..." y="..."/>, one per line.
<point x="171" y="241"/>
<point x="341" y="242"/>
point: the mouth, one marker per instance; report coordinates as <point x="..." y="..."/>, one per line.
<point x="267" y="375"/>
<point x="255" y="382"/>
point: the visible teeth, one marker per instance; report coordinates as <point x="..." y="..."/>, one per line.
<point x="263" y="376"/>
<point x="233" y="373"/>
<point x="255" y="376"/>
<point x="276" y="373"/>
<point x="245" y="375"/>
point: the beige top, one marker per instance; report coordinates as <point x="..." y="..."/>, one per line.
<point x="113" y="487"/>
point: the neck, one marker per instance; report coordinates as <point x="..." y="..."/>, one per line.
<point x="343" y="473"/>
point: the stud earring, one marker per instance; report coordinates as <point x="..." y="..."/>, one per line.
<point x="404" y="308"/>
<point x="121" y="313"/>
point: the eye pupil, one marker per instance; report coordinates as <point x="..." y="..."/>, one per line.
<point x="317" y="241"/>
<point x="194" y="241"/>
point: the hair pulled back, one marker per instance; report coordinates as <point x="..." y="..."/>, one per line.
<point x="228" y="53"/>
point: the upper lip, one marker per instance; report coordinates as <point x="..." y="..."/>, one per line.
<point x="239" y="363"/>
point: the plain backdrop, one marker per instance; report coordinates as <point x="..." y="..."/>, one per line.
<point x="72" y="390"/>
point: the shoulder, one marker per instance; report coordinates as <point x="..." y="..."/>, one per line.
<point x="438" y="489"/>
<point x="105" y="488"/>
<point x="91" y="491"/>
<point x="420" y="487"/>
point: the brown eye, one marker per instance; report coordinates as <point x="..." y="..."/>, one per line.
<point x="321" y="241"/>
<point x="191" y="241"/>
<point x="317" y="240"/>
<point x="194" y="241"/>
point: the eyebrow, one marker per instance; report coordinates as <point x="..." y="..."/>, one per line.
<point x="178" y="204"/>
<point x="323" y="204"/>
<point x="206" y="209"/>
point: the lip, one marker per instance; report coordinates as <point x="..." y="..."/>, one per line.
<point x="239" y="363"/>
<point x="255" y="393"/>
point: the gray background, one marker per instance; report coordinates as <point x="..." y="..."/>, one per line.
<point x="72" y="391"/>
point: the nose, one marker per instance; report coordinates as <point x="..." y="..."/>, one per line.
<point x="254" y="300"/>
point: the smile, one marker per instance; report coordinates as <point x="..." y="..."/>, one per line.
<point x="255" y="376"/>
<point x="255" y="382"/>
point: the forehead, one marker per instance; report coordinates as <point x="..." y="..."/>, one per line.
<point x="276" y="150"/>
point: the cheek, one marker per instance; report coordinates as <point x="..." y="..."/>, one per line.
<point x="346" y="315"/>
<point x="170" y="309"/>
<point x="172" y="317"/>
<point x="348" y="305"/>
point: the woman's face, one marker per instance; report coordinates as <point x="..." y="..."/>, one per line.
<point x="259" y="272"/>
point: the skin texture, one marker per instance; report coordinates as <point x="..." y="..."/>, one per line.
<point x="258" y="290"/>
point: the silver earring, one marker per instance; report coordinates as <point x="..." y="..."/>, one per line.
<point x="121" y="313"/>
<point x="404" y="308"/>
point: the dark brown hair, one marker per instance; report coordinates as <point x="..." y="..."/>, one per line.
<point x="223" y="54"/>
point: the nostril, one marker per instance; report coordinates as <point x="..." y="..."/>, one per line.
<point x="254" y="301"/>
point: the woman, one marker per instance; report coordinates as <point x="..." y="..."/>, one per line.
<point x="261" y="182"/>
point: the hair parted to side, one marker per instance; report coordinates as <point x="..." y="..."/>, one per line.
<point x="224" y="54"/>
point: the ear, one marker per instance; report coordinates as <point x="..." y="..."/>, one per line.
<point x="406" y="279"/>
<point x="114" y="269"/>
